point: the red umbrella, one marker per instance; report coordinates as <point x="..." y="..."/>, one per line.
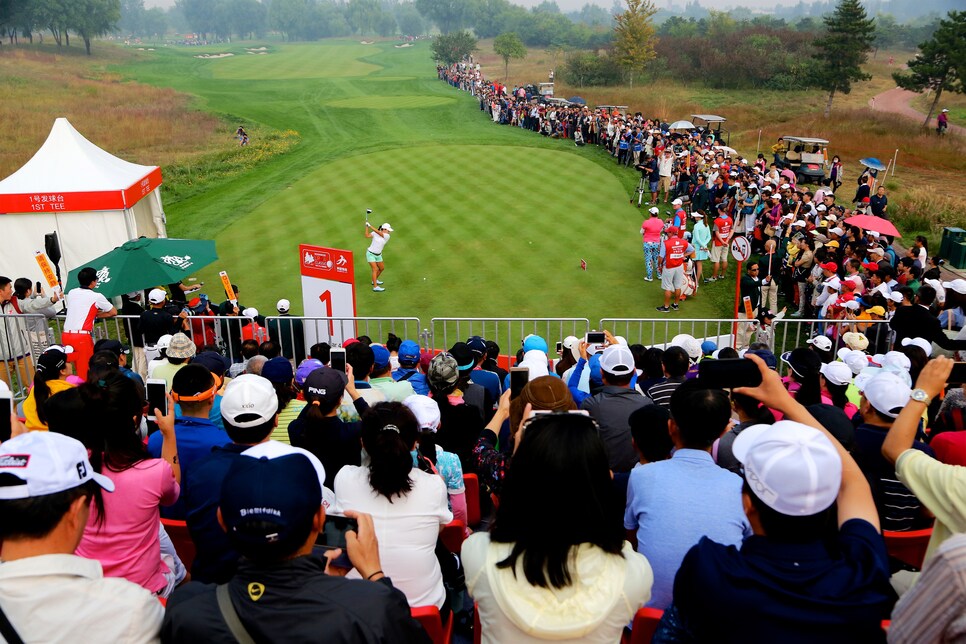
<point x="871" y="222"/>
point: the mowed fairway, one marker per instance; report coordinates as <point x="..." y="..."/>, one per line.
<point x="490" y="220"/>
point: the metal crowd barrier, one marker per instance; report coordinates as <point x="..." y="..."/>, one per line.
<point x="657" y="332"/>
<point x="506" y="332"/>
<point x="287" y="330"/>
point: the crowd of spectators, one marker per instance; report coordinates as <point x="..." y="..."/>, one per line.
<point x="317" y="498"/>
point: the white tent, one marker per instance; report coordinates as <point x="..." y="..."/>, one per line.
<point x="93" y="200"/>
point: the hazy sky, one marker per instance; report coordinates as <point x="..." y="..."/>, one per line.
<point x="571" y="5"/>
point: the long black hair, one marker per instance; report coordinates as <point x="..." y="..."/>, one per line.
<point x="805" y="368"/>
<point x="560" y="465"/>
<point x="389" y="432"/>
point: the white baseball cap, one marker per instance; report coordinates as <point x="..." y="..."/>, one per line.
<point x="792" y="468"/>
<point x="895" y="296"/>
<point x="833" y="283"/>
<point x="837" y="373"/>
<point x="922" y="343"/>
<point x="676" y="202"/>
<point x="896" y="361"/>
<point x="821" y="208"/>
<point x="854" y="359"/>
<point x="887" y="392"/>
<point x="938" y="286"/>
<point x="250" y="312"/>
<point x="425" y="409"/>
<point x="798" y="224"/>
<point x="283" y="306"/>
<point x="164" y="341"/>
<point x="820" y="342"/>
<point x="687" y="342"/>
<point x="275" y="449"/>
<point x="654" y="210"/>
<point x="866" y="374"/>
<point x="249" y="395"/>
<point x="617" y="360"/>
<point x="386" y="226"/>
<point x="958" y="285"/>
<point x="46" y="463"/>
<point x="157" y="296"/>
<point x="837" y="231"/>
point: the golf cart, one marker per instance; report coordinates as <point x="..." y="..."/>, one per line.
<point x="711" y="124"/>
<point x="806" y="157"/>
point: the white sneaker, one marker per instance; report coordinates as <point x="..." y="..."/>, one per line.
<point x="379" y="282"/>
<point x="378" y="289"/>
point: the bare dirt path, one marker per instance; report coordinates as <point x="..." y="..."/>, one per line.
<point x="897" y="101"/>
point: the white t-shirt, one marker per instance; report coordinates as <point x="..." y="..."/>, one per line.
<point x="83" y="304"/>
<point x="407" y="530"/>
<point x="378" y="243"/>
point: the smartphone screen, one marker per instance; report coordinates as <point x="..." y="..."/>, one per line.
<point x="519" y="377"/>
<point x="596" y="337"/>
<point x="560" y="347"/>
<point x="156" y="389"/>
<point x="728" y="374"/>
<point x="958" y="374"/>
<point x="337" y="359"/>
<point x="6" y="410"/>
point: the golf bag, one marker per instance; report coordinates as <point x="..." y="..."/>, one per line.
<point x="690" y="280"/>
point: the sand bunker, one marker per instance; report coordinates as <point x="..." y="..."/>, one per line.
<point x="366" y="42"/>
<point x="214" y="55"/>
<point x="403" y="45"/>
<point x="256" y="48"/>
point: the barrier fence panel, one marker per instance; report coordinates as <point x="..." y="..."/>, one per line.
<point x="660" y="331"/>
<point x="289" y="331"/>
<point x="506" y="332"/>
<point x="792" y="333"/>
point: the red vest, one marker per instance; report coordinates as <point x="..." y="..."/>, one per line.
<point x="674" y="251"/>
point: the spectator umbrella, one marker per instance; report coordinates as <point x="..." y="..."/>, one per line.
<point x="681" y="125"/>
<point x="877" y="224"/>
<point x="142" y="263"/>
<point x="872" y="162"/>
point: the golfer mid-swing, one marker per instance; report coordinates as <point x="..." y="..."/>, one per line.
<point x="380" y="237"/>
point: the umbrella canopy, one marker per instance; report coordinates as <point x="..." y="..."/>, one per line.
<point x="871" y="222"/>
<point x="578" y="100"/>
<point x="872" y="162"/>
<point x="141" y="263"/>
<point x="726" y="150"/>
<point x="681" y="125"/>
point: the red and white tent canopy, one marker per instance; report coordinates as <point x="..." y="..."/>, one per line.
<point x="92" y="199"/>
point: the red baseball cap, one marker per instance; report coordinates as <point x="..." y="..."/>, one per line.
<point x="673" y="230"/>
<point x="870" y="266"/>
<point x="829" y="266"/>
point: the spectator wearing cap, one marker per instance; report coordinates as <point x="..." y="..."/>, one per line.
<point x="615" y="402"/>
<point x="123" y="531"/>
<point x="408" y="370"/>
<point x="158" y="320"/>
<point x="480" y="376"/>
<point x="883" y="397"/>
<point x="672" y="504"/>
<point x="162" y="357"/>
<point x="545" y="393"/>
<point x="795" y="474"/>
<point x="460" y="424"/>
<point x="50" y="379"/>
<point x="676" y="251"/>
<point x="474" y="395"/>
<point x="568" y="356"/>
<point x="361" y="358"/>
<point x="381" y="377"/>
<point x="194" y="389"/>
<point x="121" y="352"/>
<point x="320" y="428"/>
<point x="701" y="240"/>
<point x="836" y="379"/>
<point x="427" y="452"/>
<point x="179" y="352"/>
<point x="917" y="321"/>
<point x="272" y="511"/>
<point x="651" y="239"/>
<point x="278" y="371"/>
<point x="47" y="592"/>
<point x="409" y="505"/>
<point x="287" y="331"/>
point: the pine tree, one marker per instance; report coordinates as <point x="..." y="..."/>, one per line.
<point x="940" y="64"/>
<point x="843" y="49"/>
<point x="634" y="37"/>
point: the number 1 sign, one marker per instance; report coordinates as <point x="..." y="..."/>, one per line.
<point x="328" y="291"/>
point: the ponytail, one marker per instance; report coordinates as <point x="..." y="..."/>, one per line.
<point x="427" y="445"/>
<point x="809" y="390"/>
<point x="388" y="436"/>
<point x="837" y="394"/>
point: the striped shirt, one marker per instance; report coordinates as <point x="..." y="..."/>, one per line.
<point x="286" y="416"/>
<point x="934" y="610"/>
<point x="661" y="392"/>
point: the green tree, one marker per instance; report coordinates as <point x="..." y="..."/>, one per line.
<point x="843" y="49"/>
<point x="154" y="22"/>
<point x="409" y="21"/>
<point x="508" y="46"/>
<point x="454" y="47"/>
<point x="91" y="18"/>
<point x="634" y="37"/>
<point x="940" y="64"/>
<point x="288" y="17"/>
<point x="201" y="15"/>
<point x="449" y="15"/>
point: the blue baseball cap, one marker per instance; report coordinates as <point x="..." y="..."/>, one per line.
<point x="409" y="353"/>
<point x="708" y="347"/>
<point x="278" y="370"/>
<point x="215" y="362"/>
<point x="770" y="360"/>
<point x="534" y="343"/>
<point x="380" y="355"/>
<point x="477" y="345"/>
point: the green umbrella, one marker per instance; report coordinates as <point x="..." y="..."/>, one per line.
<point x="142" y="263"/>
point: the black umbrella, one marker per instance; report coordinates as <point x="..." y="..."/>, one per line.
<point x="578" y="100"/>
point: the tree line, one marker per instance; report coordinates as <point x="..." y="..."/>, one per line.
<point x="85" y="18"/>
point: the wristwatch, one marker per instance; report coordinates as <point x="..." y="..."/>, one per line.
<point x="919" y="395"/>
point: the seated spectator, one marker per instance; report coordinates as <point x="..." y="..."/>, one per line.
<point x="408" y="370"/>
<point x="480" y="376"/>
<point x="50" y="379"/>
<point x="804" y="369"/>
<point x="676" y="363"/>
<point x="410" y="505"/>
<point x="750" y="412"/>
<point x="278" y="371"/>
<point x="48" y="593"/>
<point x="672" y="504"/>
<point x="381" y="377"/>
<point x="194" y="391"/>
<point x="319" y="428"/>
<point x="460" y="424"/>
<point x="614" y="404"/>
<point x="360" y="357"/>
<point x="801" y="581"/>
<point x="249" y="349"/>
<point x="446" y="464"/>
<point x="931" y="612"/>
<point x="490" y="363"/>
<point x="474" y="395"/>
<point x="533" y="581"/>
<point x="123" y="529"/>
<point x="180" y="350"/>
<point x="651" y="435"/>
<point x="217" y="364"/>
<point x="883" y="398"/>
<point x="121" y="352"/>
<point x="271" y="509"/>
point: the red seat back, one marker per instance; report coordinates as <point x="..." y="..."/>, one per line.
<point x="181" y="538"/>
<point x="644" y="625"/>
<point x="433" y="624"/>
<point x="908" y="547"/>
<point x="453" y="534"/>
<point x="472" y="485"/>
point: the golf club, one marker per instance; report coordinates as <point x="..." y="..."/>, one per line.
<point x="368" y="212"/>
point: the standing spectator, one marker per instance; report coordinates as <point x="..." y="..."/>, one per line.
<point x="917" y="321"/>
<point x="158" y="321"/>
<point x="410" y="505"/>
<point x="533" y="582"/>
<point x="750" y="289"/>
<point x="287" y="332"/>
<point x="769" y="270"/>
<point x="672" y="504"/>
<point x="83" y="307"/>
<point x="48" y="593"/>
<point x="720" y="244"/>
<point x="701" y="240"/>
<point x="879" y="202"/>
<point x="665" y="166"/>
<point x="131" y="309"/>
<point x="27" y="302"/>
